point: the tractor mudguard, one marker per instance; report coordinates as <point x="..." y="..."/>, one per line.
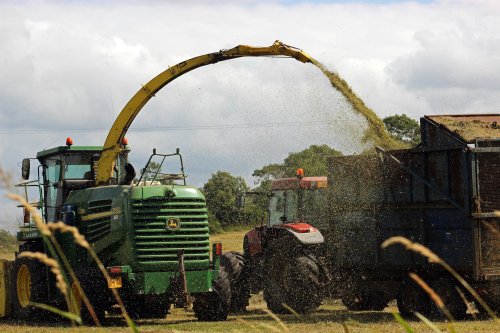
<point x="253" y="242"/>
<point x="304" y="233"/>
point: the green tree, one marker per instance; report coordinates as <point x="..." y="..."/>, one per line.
<point x="151" y="170"/>
<point x="8" y="241"/>
<point x="312" y="160"/>
<point x="220" y="192"/>
<point x="403" y="128"/>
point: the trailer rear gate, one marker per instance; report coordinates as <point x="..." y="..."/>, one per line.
<point x="486" y="221"/>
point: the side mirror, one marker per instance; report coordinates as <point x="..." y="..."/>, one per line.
<point x="240" y="200"/>
<point x="25" y="169"/>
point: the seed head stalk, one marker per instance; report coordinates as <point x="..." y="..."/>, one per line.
<point x="56" y="252"/>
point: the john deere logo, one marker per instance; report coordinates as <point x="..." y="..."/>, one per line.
<point x="173" y="223"/>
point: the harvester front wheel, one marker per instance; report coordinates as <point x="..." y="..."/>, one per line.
<point x="147" y="308"/>
<point x="446" y="288"/>
<point x="80" y="308"/>
<point x="214" y="306"/>
<point x="29" y="285"/>
<point x="293" y="279"/>
<point x="235" y="265"/>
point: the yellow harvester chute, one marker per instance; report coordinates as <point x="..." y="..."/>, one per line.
<point x="113" y="145"/>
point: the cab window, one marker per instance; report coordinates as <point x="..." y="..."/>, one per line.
<point x="53" y="196"/>
<point x="276" y="207"/>
<point x="283" y="203"/>
<point x="77" y="166"/>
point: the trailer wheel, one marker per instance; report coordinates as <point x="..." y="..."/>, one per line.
<point x="292" y="279"/>
<point x="446" y="288"/>
<point x="412" y="298"/>
<point x="365" y="301"/>
<point x="214" y="306"/>
<point x="29" y="285"/>
<point x="235" y="266"/>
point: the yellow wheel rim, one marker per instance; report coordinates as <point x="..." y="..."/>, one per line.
<point x="23" y="286"/>
<point x="76" y="298"/>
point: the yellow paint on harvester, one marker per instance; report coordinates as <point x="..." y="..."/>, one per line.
<point x="114" y="211"/>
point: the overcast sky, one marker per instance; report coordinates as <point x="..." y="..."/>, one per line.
<point x="68" y="67"/>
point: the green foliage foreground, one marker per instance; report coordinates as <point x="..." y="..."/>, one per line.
<point x="8" y="242"/>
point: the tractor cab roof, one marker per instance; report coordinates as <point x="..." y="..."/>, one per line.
<point x="296" y="183"/>
<point x="65" y="149"/>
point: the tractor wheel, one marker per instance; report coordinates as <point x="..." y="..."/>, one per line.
<point x="147" y="309"/>
<point x="81" y="309"/>
<point x="365" y="301"/>
<point x="235" y="265"/>
<point x="446" y="288"/>
<point x="29" y="285"/>
<point x="96" y="288"/>
<point x="292" y="279"/>
<point x="412" y="298"/>
<point x="214" y="306"/>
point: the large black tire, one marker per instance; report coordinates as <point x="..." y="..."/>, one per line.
<point x="292" y="279"/>
<point x="29" y="284"/>
<point x="142" y="308"/>
<point x="214" y="306"/>
<point x="412" y="298"/>
<point x="95" y="287"/>
<point x="235" y="265"/>
<point x="364" y="300"/>
<point x="82" y="310"/>
<point x="446" y="288"/>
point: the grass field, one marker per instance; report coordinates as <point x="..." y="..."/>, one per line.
<point x="330" y="317"/>
<point x="7" y="255"/>
<point x="231" y="241"/>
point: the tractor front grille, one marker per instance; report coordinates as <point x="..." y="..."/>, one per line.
<point x="156" y="244"/>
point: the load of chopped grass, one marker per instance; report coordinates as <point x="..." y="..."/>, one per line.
<point x="471" y="127"/>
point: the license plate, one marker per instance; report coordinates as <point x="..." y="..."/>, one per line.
<point x="114" y="282"/>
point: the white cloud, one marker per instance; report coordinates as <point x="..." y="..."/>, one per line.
<point x="73" y="65"/>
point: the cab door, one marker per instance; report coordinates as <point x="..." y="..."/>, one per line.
<point x="53" y="192"/>
<point x="283" y="207"/>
